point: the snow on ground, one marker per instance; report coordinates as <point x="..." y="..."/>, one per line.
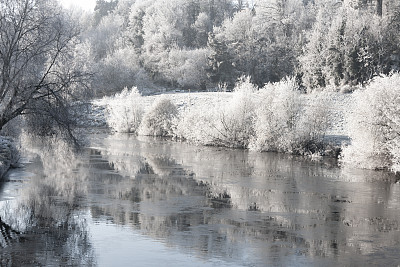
<point x="339" y="104"/>
<point x="183" y="100"/>
<point x="206" y="100"/>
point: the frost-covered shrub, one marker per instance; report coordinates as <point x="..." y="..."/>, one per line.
<point x="157" y="121"/>
<point x="229" y="125"/>
<point x="125" y="111"/>
<point x="272" y="119"/>
<point x="312" y="124"/>
<point x="9" y="154"/>
<point x="374" y="126"/>
<point x="276" y="117"/>
<point x="196" y="126"/>
<point x="284" y="122"/>
<point x="234" y="125"/>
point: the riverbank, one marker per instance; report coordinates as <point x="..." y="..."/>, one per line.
<point x="9" y="155"/>
<point x="193" y="107"/>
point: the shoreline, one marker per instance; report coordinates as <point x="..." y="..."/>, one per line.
<point x="9" y="155"/>
<point x="339" y="103"/>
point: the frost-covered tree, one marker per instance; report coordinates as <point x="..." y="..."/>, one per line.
<point x="106" y="37"/>
<point x="37" y="78"/>
<point x="220" y="63"/>
<point x="347" y="46"/>
<point x="115" y="72"/>
<point x="102" y="9"/>
<point x="202" y="26"/>
<point x="187" y="68"/>
<point x="265" y="41"/>
<point x="134" y="32"/>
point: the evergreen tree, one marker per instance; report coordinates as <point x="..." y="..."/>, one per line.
<point x="220" y="68"/>
<point x="102" y="9"/>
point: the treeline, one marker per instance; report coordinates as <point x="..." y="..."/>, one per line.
<point x="202" y="44"/>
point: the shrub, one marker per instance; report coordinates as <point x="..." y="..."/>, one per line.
<point x="284" y="122"/>
<point x="234" y="125"/>
<point x="374" y="126"/>
<point x="196" y="126"/>
<point x="158" y="120"/>
<point x="229" y="125"/>
<point x="272" y="119"/>
<point x="276" y="117"/>
<point x="312" y="124"/>
<point x="125" y="111"/>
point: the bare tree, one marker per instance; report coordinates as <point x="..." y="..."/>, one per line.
<point x="37" y="77"/>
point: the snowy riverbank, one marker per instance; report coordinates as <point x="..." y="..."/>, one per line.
<point x="9" y="155"/>
<point x="337" y="104"/>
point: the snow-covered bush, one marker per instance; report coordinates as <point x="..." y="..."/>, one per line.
<point x="374" y="126"/>
<point x="311" y="127"/>
<point x="229" y="125"/>
<point x="196" y="125"/>
<point x="234" y="124"/>
<point x="276" y="117"/>
<point x="284" y="122"/>
<point x="157" y="121"/>
<point x="9" y="154"/>
<point x="125" y="111"/>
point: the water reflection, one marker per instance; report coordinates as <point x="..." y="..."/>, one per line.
<point x="231" y="206"/>
<point x="43" y="225"/>
<point x="229" y="203"/>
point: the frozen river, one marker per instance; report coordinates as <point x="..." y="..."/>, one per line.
<point x="129" y="201"/>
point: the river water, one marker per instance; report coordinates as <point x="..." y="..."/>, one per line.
<point x="129" y="201"/>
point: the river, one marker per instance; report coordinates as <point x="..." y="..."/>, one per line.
<point x="135" y="201"/>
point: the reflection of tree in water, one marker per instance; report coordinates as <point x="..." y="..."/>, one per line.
<point x="7" y="234"/>
<point x="173" y="206"/>
<point x="213" y="200"/>
<point x="47" y="226"/>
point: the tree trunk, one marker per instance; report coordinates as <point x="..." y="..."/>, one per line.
<point x="379" y="4"/>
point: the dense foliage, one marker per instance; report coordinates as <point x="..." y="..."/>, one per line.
<point x="374" y="126"/>
<point x="201" y="44"/>
<point x="274" y="118"/>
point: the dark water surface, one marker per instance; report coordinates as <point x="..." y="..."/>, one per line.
<point x="131" y="201"/>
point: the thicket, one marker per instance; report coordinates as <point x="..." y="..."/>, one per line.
<point x="274" y="118"/>
<point x="125" y="111"/>
<point x="374" y="126"/>
<point x="158" y="120"/>
<point x="286" y="122"/>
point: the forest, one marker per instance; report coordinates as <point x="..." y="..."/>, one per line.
<point x="202" y="44"/>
